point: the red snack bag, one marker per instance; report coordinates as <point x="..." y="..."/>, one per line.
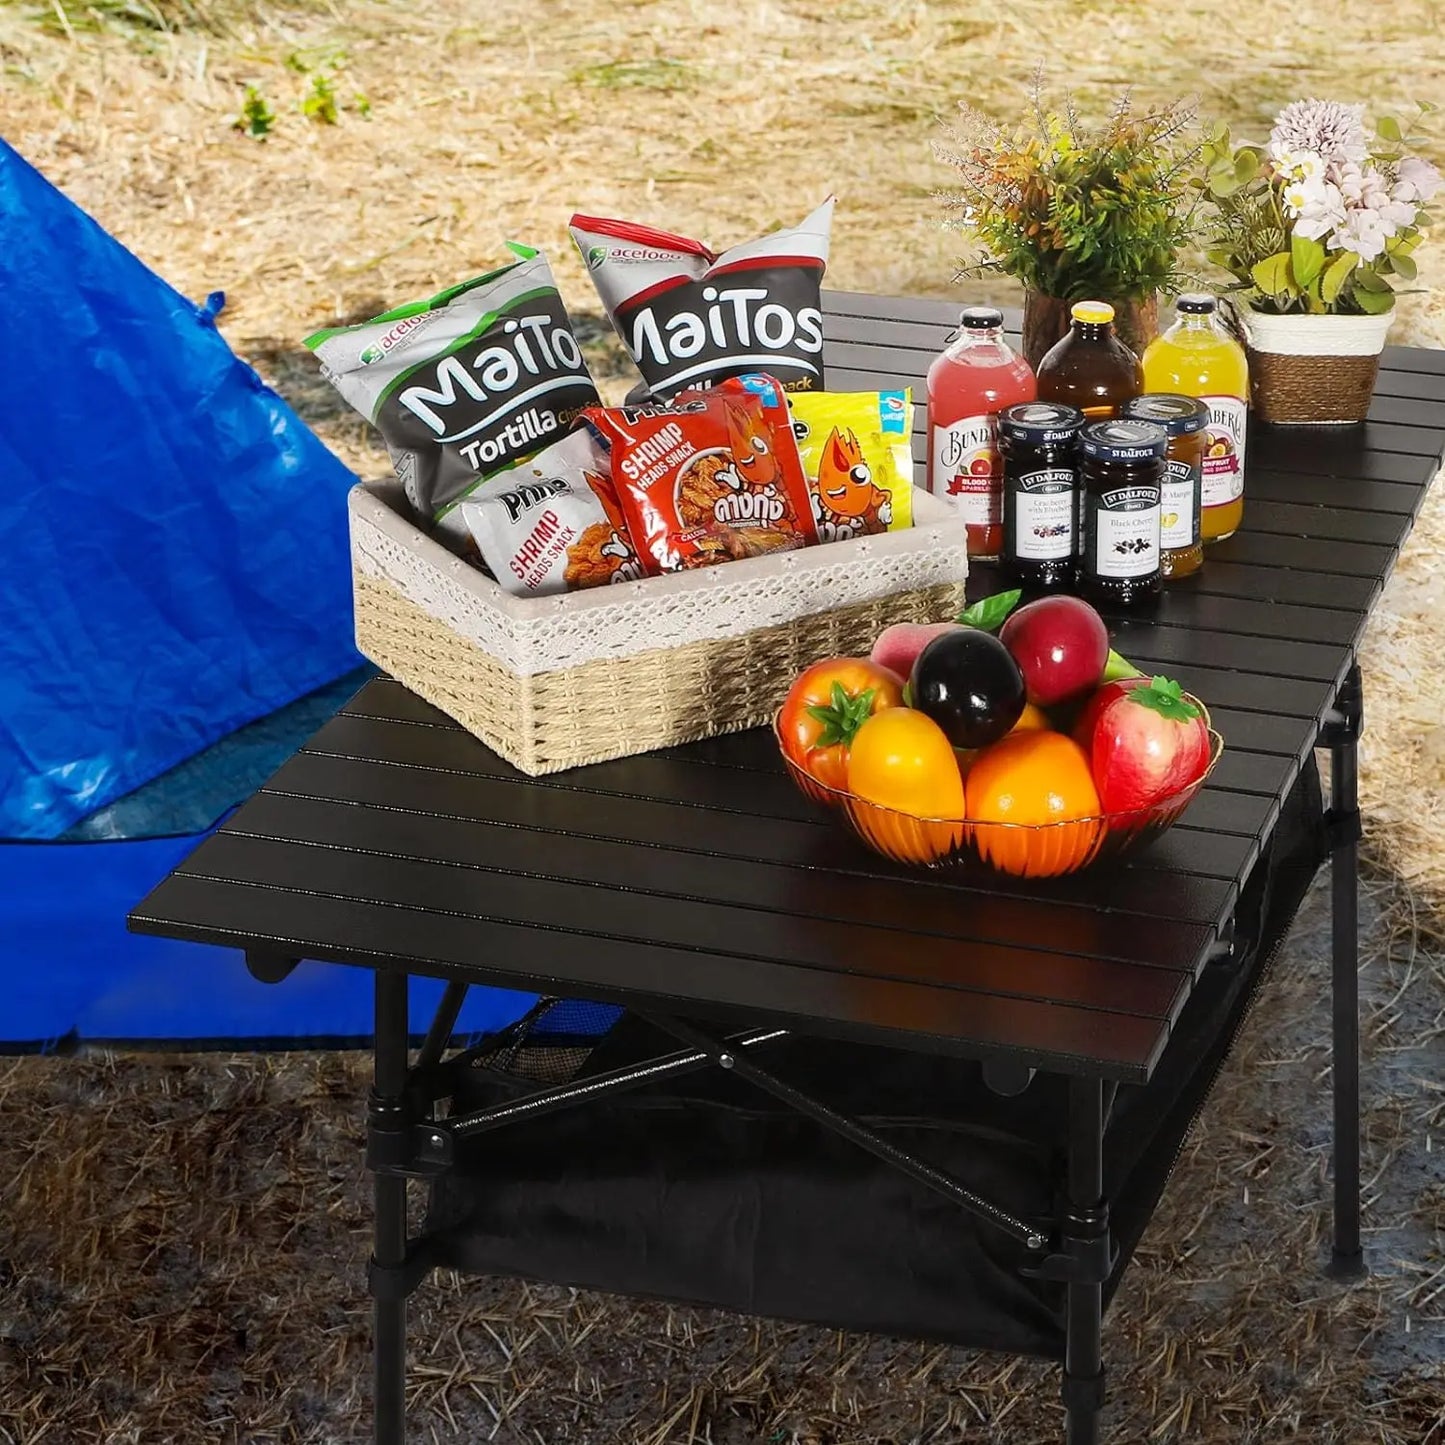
<point x="705" y="479"/>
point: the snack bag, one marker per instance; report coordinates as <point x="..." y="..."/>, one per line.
<point x="691" y="317"/>
<point x="858" y="457"/>
<point x="463" y="385"/>
<point x="704" y="479"/>
<point x="552" y="524"/>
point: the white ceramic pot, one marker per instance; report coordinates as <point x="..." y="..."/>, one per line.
<point x="1313" y="370"/>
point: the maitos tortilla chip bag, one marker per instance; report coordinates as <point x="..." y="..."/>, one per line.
<point x="692" y="317"/>
<point x="464" y="384"/>
<point x="857" y="454"/>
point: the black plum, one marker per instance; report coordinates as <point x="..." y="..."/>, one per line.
<point x="969" y="684"/>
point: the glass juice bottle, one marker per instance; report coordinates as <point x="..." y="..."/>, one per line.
<point x="976" y="377"/>
<point x="1091" y="369"/>
<point x="1197" y="357"/>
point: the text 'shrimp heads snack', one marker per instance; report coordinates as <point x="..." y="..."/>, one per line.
<point x="466" y="383"/>
<point x="691" y="317"/>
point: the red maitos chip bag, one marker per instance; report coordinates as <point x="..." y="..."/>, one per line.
<point x="691" y="317"/>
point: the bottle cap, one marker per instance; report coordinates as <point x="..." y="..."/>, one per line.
<point x="1092" y="313"/>
<point x="1123" y="441"/>
<point x="1037" y="422"/>
<point x="1178" y="415"/>
<point x="980" y="318"/>
<point x="1195" y="303"/>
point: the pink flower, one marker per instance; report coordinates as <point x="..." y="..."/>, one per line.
<point x="1326" y="127"/>
<point x="1364" y="233"/>
<point x="1415" y="180"/>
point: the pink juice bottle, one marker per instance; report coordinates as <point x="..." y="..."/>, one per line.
<point x="977" y="376"/>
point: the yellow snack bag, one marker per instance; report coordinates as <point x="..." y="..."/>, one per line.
<point x="857" y="455"/>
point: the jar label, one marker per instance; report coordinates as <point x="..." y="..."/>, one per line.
<point x="1179" y="506"/>
<point x="966" y="467"/>
<point x="1224" y="450"/>
<point x="1124" y="531"/>
<point x="1043" y="508"/>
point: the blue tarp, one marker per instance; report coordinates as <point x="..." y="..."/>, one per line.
<point x="70" y="973"/>
<point x="173" y="566"/>
<point x="172" y="538"/>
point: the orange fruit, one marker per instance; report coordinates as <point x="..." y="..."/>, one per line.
<point x="1032" y="806"/>
<point x="1031" y="720"/>
<point x="903" y="776"/>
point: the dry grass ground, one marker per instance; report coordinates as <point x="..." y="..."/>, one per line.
<point x="180" y="1239"/>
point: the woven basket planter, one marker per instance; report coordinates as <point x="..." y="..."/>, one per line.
<point x="555" y="682"/>
<point x="1313" y="370"/>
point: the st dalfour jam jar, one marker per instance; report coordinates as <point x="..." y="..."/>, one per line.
<point x="1122" y="475"/>
<point x="1037" y="441"/>
<point x="1184" y="418"/>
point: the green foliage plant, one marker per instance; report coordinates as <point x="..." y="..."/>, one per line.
<point x="1072" y="210"/>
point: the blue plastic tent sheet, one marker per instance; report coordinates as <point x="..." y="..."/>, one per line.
<point x="70" y="973"/>
<point x="174" y="538"/>
<point x="173" y="567"/>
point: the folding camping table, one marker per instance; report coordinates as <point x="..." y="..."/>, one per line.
<point x="693" y="887"/>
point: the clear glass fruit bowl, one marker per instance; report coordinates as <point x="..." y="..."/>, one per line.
<point x="1024" y="850"/>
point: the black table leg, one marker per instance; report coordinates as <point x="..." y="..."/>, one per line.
<point x="1342" y="733"/>
<point x="1085" y="1236"/>
<point x="388" y="1115"/>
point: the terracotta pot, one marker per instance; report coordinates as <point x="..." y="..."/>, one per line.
<point x="1313" y="370"/>
<point x="1046" y="319"/>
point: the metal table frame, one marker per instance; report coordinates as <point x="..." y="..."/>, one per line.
<point x="406" y="1141"/>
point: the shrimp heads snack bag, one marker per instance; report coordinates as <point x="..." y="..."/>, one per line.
<point x="691" y="317"/>
<point x="464" y="384"/>
<point x="552" y="523"/>
<point x="858" y="457"/>
<point x="704" y="479"/>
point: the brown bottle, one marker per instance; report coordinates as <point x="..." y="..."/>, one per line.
<point x="1091" y="369"/>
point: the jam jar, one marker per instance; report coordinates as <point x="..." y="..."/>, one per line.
<point x="1184" y="418"/>
<point x="1121" y="472"/>
<point x="1038" y="442"/>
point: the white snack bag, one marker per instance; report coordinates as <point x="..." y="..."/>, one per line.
<point x="552" y="524"/>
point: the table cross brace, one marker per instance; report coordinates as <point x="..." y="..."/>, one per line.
<point x="1031" y="1236"/>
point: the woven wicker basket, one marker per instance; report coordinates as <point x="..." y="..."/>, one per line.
<point x="555" y="682"/>
<point x="1313" y="370"/>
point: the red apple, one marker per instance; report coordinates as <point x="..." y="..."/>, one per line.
<point x="1088" y="718"/>
<point x="1149" y="742"/>
<point x="897" y="647"/>
<point x="1060" y="645"/>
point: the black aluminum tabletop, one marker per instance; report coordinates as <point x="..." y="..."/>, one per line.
<point x="698" y="879"/>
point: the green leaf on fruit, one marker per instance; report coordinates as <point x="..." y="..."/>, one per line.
<point x="843" y="716"/>
<point x="1116" y="667"/>
<point x="988" y="614"/>
<point x="1166" y="697"/>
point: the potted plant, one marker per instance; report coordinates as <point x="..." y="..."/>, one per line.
<point x="1317" y="227"/>
<point x="1076" y="212"/>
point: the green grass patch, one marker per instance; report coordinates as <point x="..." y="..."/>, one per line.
<point x="665" y="75"/>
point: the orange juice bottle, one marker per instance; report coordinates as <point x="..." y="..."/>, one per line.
<point x="1197" y="357"/>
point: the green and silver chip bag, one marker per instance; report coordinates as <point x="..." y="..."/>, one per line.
<point x="466" y="384"/>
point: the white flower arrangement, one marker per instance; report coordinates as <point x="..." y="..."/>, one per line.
<point x="1322" y="218"/>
